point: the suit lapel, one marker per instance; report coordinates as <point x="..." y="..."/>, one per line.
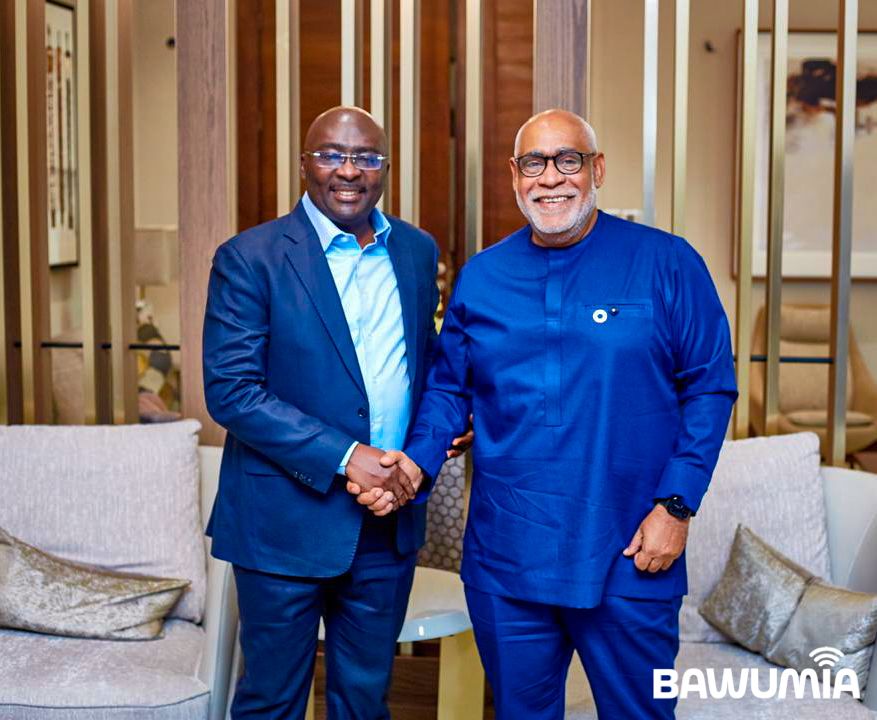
<point x="307" y="258"/>
<point x="403" y="266"/>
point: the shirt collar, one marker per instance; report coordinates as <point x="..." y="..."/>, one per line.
<point x="328" y="232"/>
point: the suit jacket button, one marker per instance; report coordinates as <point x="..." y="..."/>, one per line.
<point x="362" y="412"/>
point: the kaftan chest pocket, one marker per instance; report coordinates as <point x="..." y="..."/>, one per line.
<point x="627" y="324"/>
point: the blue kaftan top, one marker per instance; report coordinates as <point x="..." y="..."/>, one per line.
<point x="601" y="377"/>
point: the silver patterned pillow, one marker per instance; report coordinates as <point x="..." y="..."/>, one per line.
<point x="772" y="606"/>
<point x="757" y="594"/>
<point x="832" y="617"/>
<point x="43" y="593"/>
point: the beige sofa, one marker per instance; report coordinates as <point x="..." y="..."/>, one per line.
<point x="823" y="518"/>
<point x="130" y="498"/>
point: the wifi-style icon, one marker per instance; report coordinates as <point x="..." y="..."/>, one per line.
<point x="826" y="656"/>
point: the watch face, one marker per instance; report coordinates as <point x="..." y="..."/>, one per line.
<point x="677" y="508"/>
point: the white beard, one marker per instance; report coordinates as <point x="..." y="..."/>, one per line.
<point x="559" y="235"/>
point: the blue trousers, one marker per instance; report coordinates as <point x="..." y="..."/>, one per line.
<point x="526" y="649"/>
<point x="363" y="611"/>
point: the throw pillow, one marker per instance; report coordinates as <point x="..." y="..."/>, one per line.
<point x="43" y="593"/>
<point x="754" y="599"/>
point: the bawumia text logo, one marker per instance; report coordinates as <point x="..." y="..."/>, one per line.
<point x="761" y="683"/>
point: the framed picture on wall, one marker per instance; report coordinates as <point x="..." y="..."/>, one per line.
<point x="809" y="168"/>
<point x="62" y="152"/>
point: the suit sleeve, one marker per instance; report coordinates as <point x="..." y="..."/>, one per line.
<point x="445" y="407"/>
<point x="235" y="346"/>
<point x="704" y="377"/>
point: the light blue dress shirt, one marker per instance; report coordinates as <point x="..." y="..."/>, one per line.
<point x="366" y="284"/>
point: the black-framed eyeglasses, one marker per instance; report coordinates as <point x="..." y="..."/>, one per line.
<point x="567" y="162"/>
<point x="333" y="159"/>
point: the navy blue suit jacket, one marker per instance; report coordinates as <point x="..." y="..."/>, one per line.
<point x="281" y="375"/>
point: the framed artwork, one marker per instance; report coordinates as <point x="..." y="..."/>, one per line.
<point x="809" y="168"/>
<point x="62" y="152"/>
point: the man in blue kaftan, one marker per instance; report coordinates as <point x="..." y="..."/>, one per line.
<point x="595" y="356"/>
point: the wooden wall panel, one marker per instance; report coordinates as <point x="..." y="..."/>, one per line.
<point x="33" y="241"/>
<point x="120" y="204"/>
<point x="205" y="220"/>
<point x="10" y="219"/>
<point x="435" y="122"/>
<point x="96" y="264"/>
<point x="257" y="117"/>
<point x="508" y="102"/>
<point x="560" y="52"/>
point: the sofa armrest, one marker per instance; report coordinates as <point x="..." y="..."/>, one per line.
<point x="851" y="507"/>
<point x="220" y="629"/>
<point x="851" y="512"/>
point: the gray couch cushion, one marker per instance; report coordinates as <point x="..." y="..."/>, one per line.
<point x="124" y="498"/>
<point x="43" y="676"/>
<point x="580" y="704"/>
<point x="771" y="485"/>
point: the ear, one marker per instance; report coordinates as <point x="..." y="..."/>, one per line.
<point x="599" y="165"/>
<point x="513" y="166"/>
<point x="301" y="165"/>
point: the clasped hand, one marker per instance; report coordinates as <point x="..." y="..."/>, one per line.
<point x="382" y="481"/>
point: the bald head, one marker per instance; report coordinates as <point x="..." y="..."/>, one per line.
<point x="556" y="170"/>
<point x="551" y="122"/>
<point x="341" y="121"/>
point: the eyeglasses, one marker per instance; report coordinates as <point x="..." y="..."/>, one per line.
<point x="332" y="159"/>
<point x="568" y="162"/>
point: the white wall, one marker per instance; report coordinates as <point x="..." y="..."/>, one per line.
<point x="616" y="101"/>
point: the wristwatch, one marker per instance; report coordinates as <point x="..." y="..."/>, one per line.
<point x="675" y="507"/>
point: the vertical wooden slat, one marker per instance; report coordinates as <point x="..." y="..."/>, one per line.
<point x="774" y="279"/>
<point x="680" y="116"/>
<point x="120" y="207"/>
<point x="203" y="94"/>
<point x="95" y="248"/>
<point x="288" y="23"/>
<point x="12" y="390"/>
<point x="30" y="22"/>
<point x="747" y="217"/>
<point x="474" y="127"/>
<point x="381" y="74"/>
<point x="351" y="52"/>
<point x="95" y="385"/>
<point x="231" y="114"/>
<point x="4" y="337"/>
<point x="843" y="227"/>
<point x="650" y="107"/>
<point x="409" y="104"/>
<point x="561" y="32"/>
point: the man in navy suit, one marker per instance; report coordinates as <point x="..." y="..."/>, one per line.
<point x="317" y="336"/>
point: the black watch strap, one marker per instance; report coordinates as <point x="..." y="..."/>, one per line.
<point x="675" y="506"/>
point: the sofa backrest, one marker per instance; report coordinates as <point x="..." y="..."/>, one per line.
<point x="120" y="497"/>
<point x="773" y="486"/>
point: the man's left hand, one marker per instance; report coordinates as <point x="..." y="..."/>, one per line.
<point x="658" y="541"/>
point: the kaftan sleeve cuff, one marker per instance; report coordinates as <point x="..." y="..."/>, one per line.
<point x="687" y="481"/>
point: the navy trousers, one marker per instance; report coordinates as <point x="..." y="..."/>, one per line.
<point x="526" y="649"/>
<point x="363" y="611"/>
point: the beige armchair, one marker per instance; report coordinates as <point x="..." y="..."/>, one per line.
<point x="805" y="330"/>
<point x="127" y="498"/>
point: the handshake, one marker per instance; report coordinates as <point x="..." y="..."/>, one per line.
<point x="385" y="481"/>
<point x="381" y="481"/>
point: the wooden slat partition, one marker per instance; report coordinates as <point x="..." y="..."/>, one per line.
<point x="32" y="174"/>
<point x="202" y="87"/>
<point x="561" y="39"/>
